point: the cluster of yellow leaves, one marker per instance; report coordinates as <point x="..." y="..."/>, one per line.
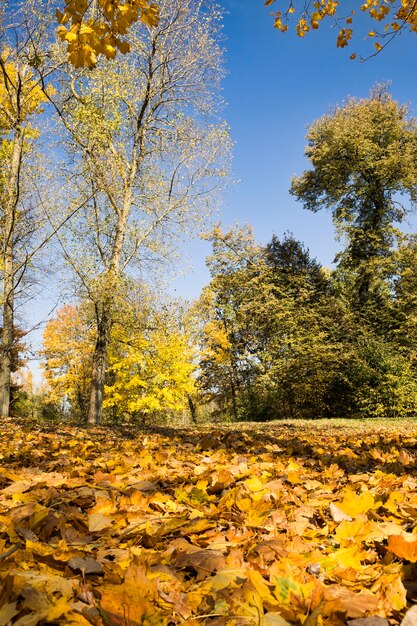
<point x="281" y="525"/>
<point x="102" y="29"/>
<point x="21" y="94"/>
<point x="390" y="15"/>
<point x="217" y="345"/>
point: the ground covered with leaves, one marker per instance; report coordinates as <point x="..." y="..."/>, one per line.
<point x="296" y="523"/>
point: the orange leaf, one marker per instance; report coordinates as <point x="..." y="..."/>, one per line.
<point x="403" y="548"/>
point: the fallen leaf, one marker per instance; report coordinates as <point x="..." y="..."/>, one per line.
<point x="403" y="548"/>
<point x="275" y="619"/>
<point x="98" y="521"/>
<point x="410" y="618"/>
<point x="85" y="565"/>
<point x="338" y="515"/>
<point x="7" y="613"/>
<point x="369" y="621"/>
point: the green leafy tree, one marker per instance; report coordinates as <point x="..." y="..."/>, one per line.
<point x="364" y="158"/>
<point x="228" y="356"/>
<point x="272" y="343"/>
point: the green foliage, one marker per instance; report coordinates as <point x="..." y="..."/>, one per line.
<point x="282" y="337"/>
<point x="363" y="157"/>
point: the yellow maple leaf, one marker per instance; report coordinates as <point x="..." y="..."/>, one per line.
<point x="359" y="529"/>
<point x="354" y="504"/>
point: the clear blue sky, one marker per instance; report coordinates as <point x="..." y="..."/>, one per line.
<point x="276" y="85"/>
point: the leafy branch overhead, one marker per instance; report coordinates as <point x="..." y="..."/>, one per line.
<point x="101" y="29"/>
<point x="387" y="17"/>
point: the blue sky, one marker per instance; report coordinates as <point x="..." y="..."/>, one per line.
<point x="276" y="85"/>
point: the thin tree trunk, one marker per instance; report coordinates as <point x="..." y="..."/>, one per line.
<point x="192" y="409"/>
<point x="9" y="208"/>
<point x="7" y="339"/>
<point x="234" y="399"/>
<point x="95" y="409"/>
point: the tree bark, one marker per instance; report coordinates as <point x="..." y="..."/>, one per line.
<point x="9" y="208"/>
<point x="192" y="409"/>
<point x="95" y="408"/>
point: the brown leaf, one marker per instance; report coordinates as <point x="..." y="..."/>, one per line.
<point x="204" y="562"/>
<point x="7" y="613"/>
<point x="98" y="521"/>
<point x="85" y="565"/>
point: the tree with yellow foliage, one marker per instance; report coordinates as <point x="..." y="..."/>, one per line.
<point x="68" y="344"/>
<point x="151" y="371"/>
<point x="151" y="362"/>
<point x="149" y="156"/>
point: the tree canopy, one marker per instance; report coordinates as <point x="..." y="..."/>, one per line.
<point x="364" y="159"/>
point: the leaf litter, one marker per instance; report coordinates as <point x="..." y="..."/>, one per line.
<point x="289" y="523"/>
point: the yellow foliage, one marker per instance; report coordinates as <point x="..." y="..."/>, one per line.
<point x="390" y="16"/>
<point x="126" y="525"/>
<point x="67" y="347"/>
<point x="217" y="344"/>
<point x="88" y="36"/>
<point x="152" y="369"/>
<point x="354" y="504"/>
<point x="21" y="94"/>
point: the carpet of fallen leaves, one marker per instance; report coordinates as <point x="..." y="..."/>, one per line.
<point x="307" y="524"/>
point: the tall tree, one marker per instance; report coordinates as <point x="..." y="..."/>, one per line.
<point x="364" y="158"/>
<point x="226" y="362"/>
<point x="148" y="157"/>
<point x="24" y="66"/>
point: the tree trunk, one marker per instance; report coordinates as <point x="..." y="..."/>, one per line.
<point x="192" y="409"/>
<point x="95" y="409"/>
<point x="9" y="209"/>
<point x="7" y="339"/>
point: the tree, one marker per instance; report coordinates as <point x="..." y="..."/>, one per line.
<point x="293" y="268"/>
<point x="280" y="339"/>
<point x="364" y="158"/>
<point x="68" y="344"/>
<point x="23" y="68"/>
<point x="387" y="19"/>
<point x="150" y="368"/>
<point x="270" y="341"/>
<point x="148" y="158"/>
<point x="226" y="363"/>
<point x="151" y="361"/>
